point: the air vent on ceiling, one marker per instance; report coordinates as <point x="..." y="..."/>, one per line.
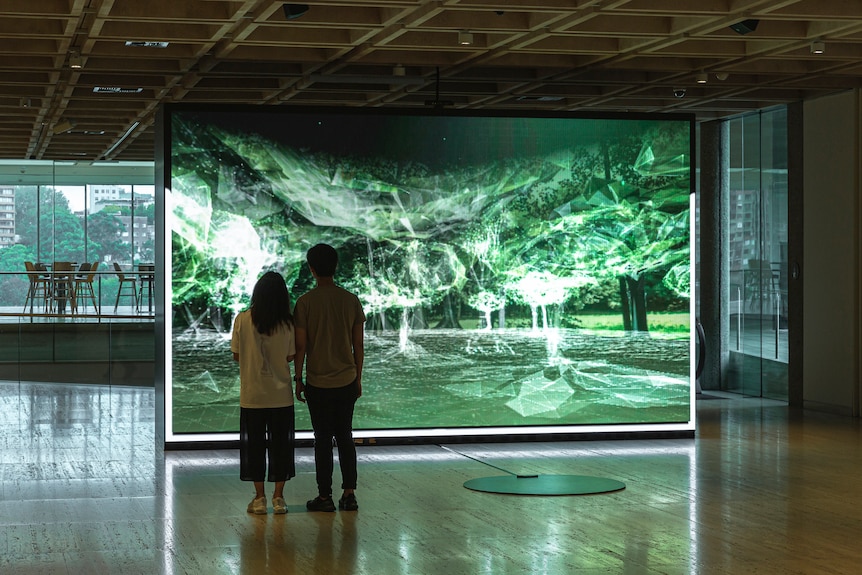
<point x="539" y="98"/>
<point x="146" y="44"/>
<point x="116" y="90"/>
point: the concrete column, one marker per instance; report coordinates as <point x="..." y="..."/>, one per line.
<point x="714" y="263"/>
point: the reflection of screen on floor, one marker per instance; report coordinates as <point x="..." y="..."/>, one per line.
<point x="518" y="273"/>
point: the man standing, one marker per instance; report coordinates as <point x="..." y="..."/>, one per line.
<point x="329" y="323"/>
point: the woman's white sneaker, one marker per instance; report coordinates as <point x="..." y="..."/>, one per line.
<point x="257" y="506"/>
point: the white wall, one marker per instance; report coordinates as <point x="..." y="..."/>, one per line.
<point x="831" y="254"/>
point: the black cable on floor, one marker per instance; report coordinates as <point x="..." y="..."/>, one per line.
<point x="486" y="463"/>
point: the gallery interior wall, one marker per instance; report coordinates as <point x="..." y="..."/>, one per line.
<point x="830" y="276"/>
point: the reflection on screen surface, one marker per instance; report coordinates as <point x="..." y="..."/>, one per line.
<point x="518" y="273"/>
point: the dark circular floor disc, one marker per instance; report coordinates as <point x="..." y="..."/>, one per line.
<point x="545" y="484"/>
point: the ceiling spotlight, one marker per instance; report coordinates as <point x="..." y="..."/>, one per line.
<point x="818" y="47"/>
<point x="294" y="11"/>
<point x="701" y="78"/>
<point x="26" y="102"/>
<point x="465" y="38"/>
<point x="721" y="76"/>
<point x="75" y="61"/>
<point x="398" y="70"/>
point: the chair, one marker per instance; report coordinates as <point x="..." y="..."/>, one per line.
<point x="85" y="267"/>
<point x="40" y="286"/>
<point x="125" y="281"/>
<point x="85" y="282"/>
<point x="62" y="286"/>
<point x="147" y="277"/>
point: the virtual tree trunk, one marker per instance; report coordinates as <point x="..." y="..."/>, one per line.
<point x="606" y="160"/>
<point x="624" y="301"/>
<point x="417" y="319"/>
<point x="377" y="322"/>
<point x="451" y="314"/>
<point x="633" y="300"/>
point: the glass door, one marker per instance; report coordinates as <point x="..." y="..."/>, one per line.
<point x="757" y="238"/>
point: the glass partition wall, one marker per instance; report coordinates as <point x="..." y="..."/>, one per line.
<point x="757" y="236"/>
<point x="86" y="324"/>
<point x="95" y="222"/>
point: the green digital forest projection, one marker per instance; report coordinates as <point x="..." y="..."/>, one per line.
<point x="515" y="271"/>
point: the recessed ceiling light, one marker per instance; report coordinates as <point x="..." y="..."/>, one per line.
<point x="465" y="38"/>
<point x="146" y="44"/>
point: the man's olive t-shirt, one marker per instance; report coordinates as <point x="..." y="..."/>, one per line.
<point x="328" y="314"/>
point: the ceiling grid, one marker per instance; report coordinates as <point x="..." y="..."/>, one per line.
<point x="549" y="55"/>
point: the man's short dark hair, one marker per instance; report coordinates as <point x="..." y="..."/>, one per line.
<point x="323" y="259"/>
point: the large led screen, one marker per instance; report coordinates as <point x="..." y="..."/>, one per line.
<point x="520" y="274"/>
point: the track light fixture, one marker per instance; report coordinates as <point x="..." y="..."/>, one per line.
<point x="465" y="38"/>
<point x="818" y="47"/>
<point x="701" y="78"/>
<point x="75" y="61"/>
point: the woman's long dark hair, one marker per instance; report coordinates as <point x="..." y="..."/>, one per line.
<point x="270" y="303"/>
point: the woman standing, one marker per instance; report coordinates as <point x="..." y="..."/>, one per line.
<point x="263" y="343"/>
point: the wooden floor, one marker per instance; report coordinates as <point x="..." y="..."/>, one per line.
<point x="762" y="489"/>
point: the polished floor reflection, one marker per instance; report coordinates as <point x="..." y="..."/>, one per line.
<point x="761" y="489"/>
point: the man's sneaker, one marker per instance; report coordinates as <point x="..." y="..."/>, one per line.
<point x="257" y="506"/>
<point x="320" y="504"/>
<point x="278" y="506"/>
<point x="348" y="503"/>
